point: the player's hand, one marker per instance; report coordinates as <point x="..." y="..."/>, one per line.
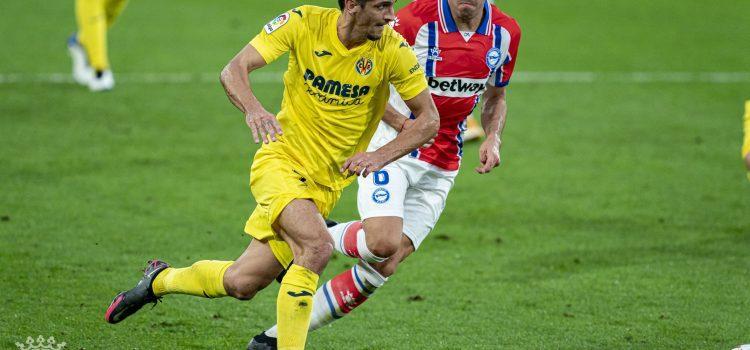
<point x="363" y="163"/>
<point x="489" y="155"/>
<point x="408" y="123"/>
<point x="264" y="126"/>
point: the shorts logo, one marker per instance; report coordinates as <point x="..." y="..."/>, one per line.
<point x="381" y="195"/>
<point x="276" y="23"/>
<point x="363" y="66"/>
<point x="493" y="58"/>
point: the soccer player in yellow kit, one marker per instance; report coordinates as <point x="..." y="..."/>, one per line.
<point x="88" y="47"/>
<point x="335" y="91"/>
<point x="746" y="141"/>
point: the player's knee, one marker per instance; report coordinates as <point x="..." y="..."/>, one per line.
<point x="316" y="254"/>
<point x="386" y="268"/>
<point x="384" y="245"/>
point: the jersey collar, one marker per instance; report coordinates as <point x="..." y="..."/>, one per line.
<point x="339" y="46"/>
<point x="448" y="25"/>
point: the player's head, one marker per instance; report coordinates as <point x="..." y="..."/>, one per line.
<point x="370" y="15"/>
<point x="466" y="10"/>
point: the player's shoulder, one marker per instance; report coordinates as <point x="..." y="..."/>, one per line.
<point x="419" y="12"/>
<point x="312" y="11"/>
<point x="504" y="20"/>
<point x="312" y="15"/>
<point x="391" y="40"/>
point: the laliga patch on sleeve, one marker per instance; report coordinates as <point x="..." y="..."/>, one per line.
<point x="276" y="23"/>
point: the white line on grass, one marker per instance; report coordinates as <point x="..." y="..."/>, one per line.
<point x="519" y="77"/>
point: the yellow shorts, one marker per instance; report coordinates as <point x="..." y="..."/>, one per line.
<point x="276" y="180"/>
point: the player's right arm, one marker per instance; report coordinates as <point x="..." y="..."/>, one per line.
<point x="234" y="78"/>
<point x="277" y="37"/>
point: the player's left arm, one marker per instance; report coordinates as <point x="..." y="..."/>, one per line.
<point x="408" y="79"/>
<point x="424" y="127"/>
<point x="495" y="106"/>
<point x="400" y="122"/>
<point x="493" y="121"/>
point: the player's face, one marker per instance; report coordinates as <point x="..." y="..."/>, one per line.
<point x="468" y="9"/>
<point x="374" y="16"/>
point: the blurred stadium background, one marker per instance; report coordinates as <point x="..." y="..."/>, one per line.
<point x="619" y="218"/>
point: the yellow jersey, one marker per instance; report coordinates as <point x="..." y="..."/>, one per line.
<point x="746" y="123"/>
<point x="334" y="97"/>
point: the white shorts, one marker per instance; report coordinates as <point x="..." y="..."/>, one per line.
<point x="408" y="188"/>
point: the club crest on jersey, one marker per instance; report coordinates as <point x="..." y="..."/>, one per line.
<point x="363" y="66"/>
<point x="493" y="58"/>
<point x="381" y="195"/>
<point x="276" y="23"/>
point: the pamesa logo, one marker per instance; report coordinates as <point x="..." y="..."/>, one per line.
<point x="41" y="344"/>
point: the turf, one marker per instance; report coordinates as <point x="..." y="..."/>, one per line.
<point x="619" y="218"/>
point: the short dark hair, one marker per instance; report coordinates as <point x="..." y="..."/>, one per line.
<point x="361" y="3"/>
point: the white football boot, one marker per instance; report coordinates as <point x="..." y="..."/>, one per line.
<point x="102" y="81"/>
<point x="82" y="72"/>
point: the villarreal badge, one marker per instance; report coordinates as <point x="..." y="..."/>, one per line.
<point x="493" y="58"/>
<point x="363" y="66"/>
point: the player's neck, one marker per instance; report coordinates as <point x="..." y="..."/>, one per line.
<point x="468" y="22"/>
<point x="348" y="33"/>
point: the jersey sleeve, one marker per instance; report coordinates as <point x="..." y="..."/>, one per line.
<point x="407" y="24"/>
<point x="279" y="35"/>
<point x="501" y="76"/>
<point x="406" y="75"/>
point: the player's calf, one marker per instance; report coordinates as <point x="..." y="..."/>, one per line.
<point x="243" y="286"/>
<point x="339" y="296"/>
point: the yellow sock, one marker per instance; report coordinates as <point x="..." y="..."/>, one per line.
<point x="112" y="9"/>
<point x="204" y="278"/>
<point x="294" y="305"/>
<point x="92" y="31"/>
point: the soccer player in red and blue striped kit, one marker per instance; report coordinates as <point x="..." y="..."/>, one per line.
<point x="468" y="49"/>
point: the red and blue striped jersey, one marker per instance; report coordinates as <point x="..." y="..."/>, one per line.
<point x="458" y="65"/>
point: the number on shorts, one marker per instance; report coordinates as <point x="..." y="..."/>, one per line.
<point x="380" y="177"/>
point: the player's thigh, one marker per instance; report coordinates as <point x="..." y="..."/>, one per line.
<point x="382" y="193"/>
<point x="301" y="224"/>
<point x="423" y="206"/>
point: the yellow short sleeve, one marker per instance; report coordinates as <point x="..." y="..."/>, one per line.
<point x="279" y="35"/>
<point x="406" y="74"/>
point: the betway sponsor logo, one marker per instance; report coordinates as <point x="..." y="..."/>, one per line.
<point x="456" y="87"/>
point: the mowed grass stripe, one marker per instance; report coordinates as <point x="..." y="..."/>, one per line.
<point x="273" y="77"/>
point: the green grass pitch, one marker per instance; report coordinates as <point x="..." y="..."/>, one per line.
<point x="620" y="218"/>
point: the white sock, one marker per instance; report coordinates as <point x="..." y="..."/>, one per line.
<point x="340" y="295"/>
<point x="349" y="239"/>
